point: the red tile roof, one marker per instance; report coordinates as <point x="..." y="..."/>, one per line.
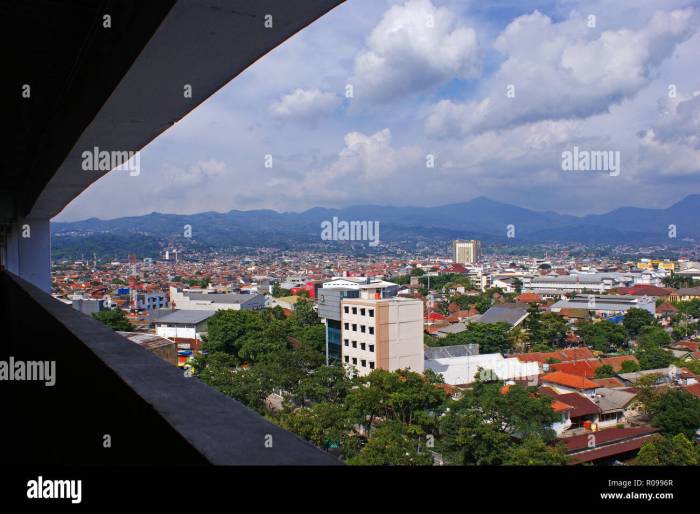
<point x="568" y="380"/>
<point x="579" y="368"/>
<point x="691" y="346"/>
<point x="529" y="298"/>
<point x="581" y="405"/>
<point x="558" y="406"/>
<point x="645" y="289"/>
<point x="610" y="383"/>
<point x="666" y="307"/>
<point x="606" y="436"/>
<point x="610" y="450"/>
<point x="694" y="389"/>
<point x="569" y="354"/>
<point x="616" y="362"/>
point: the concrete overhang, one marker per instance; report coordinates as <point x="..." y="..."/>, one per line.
<point x="200" y="43"/>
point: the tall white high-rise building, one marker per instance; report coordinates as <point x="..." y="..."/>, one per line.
<point x="466" y="252"/>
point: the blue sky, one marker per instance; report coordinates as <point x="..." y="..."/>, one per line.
<point x="429" y="78"/>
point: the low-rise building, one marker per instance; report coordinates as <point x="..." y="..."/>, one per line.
<point x="459" y="365"/>
<point x="606" y="305"/>
<point x="211" y="301"/>
<point x="157" y="345"/>
<point x="185" y="324"/>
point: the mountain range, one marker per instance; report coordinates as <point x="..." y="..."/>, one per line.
<point x="480" y="218"/>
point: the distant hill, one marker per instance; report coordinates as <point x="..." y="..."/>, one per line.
<point x="481" y="218"/>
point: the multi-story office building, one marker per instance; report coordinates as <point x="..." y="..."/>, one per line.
<point x="382" y="333"/>
<point x="151" y="301"/>
<point x="466" y="252"/>
<point x="331" y="296"/>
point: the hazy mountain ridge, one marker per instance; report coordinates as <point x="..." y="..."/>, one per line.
<point x="481" y="217"/>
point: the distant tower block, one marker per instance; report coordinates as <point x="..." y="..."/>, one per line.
<point x="167" y="255"/>
<point x="466" y="252"/>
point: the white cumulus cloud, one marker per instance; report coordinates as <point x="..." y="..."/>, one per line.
<point x="563" y="70"/>
<point x="307" y="105"/>
<point x="415" y="46"/>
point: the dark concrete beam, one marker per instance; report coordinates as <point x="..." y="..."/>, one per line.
<point x="108" y="385"/>
<point x="201" y="43"/>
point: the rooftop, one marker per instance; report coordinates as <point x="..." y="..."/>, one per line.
<point x="185" y="317"/>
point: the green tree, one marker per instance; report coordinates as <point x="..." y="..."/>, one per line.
<point x="327" y="425"/>
<point x="603" y="336"/>
<point x="401" y="395"/>
<point x="635" y="319"/>
<point x="533" y="451"/>
<point x="479" y="428"/>
<point x="518" y="285"/>
<point x="270" y="339"/>
<point x="227" y="327"/>
<point x="279" y="292"/>
<point x="491" y="337"/>
<point x="304" y="313"/>
<point x="669" y="451"/>
<point x="114" y="319"/>
<point x="605" y="371"/>
<point x="532" y="323"/>
<point x="325" y="384"/>
<point x="650" y="352"/>
<point x="313" y="336"/>
<point x="647" y="391"/>
<point x="676" y="412"/>
<point x="629" y="367"/>
<point x="249" y="386"/>
<point x="393" y="444"/>
<point x="553" y="329"/>
<point x="466" y="439"/>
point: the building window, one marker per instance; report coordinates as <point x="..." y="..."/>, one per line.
<point x="354" y="310"/>
<point x="371" y="313"/>
<point x="354" y="360"/>
<point x="354" y="327"/>
<point x="347" y="310"/>
<point x="347" y="342"/>
<point x="364" y="363"/>
<point x="371" y="365"/>
<point x="354" y="344"/>
<point x="371" y="330"/>
<point x="362" y="346"/>
<point x="371" y="348"/>
<point x="347" y="359"/>
<point x="362" y="329"/>
<point x="347" y="326"/>
<point x="362" y="312"/>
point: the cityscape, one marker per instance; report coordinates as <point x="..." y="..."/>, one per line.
<point x="255" y="248"/>
<point x="584" y="347"/>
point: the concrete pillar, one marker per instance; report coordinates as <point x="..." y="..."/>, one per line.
<point x="28" y="251"/>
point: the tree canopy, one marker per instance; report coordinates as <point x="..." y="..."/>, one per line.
<point x="114" y="319"/>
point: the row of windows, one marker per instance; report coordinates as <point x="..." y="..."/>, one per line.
<point x="363" y="311"/>
<point x="363" y="346"/>
<point x="363" y="328"/>
<point x="363" y="362"/>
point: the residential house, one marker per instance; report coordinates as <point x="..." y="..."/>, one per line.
<point x="607" y="446"/>
<point x="566" y="383"/>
